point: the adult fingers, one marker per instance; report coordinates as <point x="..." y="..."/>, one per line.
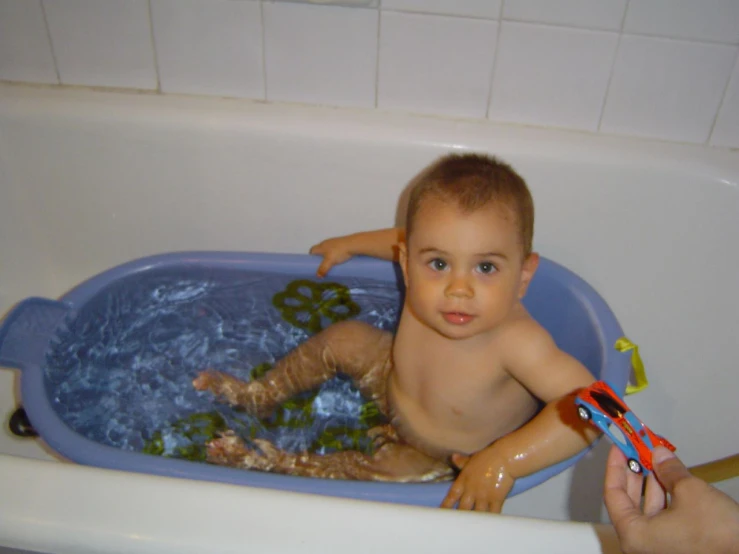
<point x="668" y="468"/>
<point x="634" y="486"/>
<point x="654" y="497"/>
<point x="620" y="505"/>
<point x="634" y="481"/>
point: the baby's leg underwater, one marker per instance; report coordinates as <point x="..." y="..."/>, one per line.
<point x="392" y="462"/>
<point x="352" y="347"/>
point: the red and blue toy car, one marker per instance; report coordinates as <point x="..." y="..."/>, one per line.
<point x="601" y="406"/>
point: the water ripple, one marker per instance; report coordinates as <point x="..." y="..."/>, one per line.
<point x="123" y="367"/>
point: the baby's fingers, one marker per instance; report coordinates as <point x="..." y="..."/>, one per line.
<point x="453" y="496"/>
<point x="467" y="502"/>
<point x="482" y="505"/>
<point x="495" y="505"/>
<point x="492" y="503"/>
<point x="326" y="263"/>
<point x="324" y="266"/>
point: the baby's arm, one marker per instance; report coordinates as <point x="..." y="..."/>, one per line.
<point x="382" y="243"/>
<point x="553" y="435"/>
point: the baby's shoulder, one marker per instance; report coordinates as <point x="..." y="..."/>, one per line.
<point x="523" y="336"/>
<point x="525" y="326"/>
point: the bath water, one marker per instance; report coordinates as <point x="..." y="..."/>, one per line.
<point x="120" y="372"/>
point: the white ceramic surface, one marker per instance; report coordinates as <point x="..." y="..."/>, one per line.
<point x="89" y="180"/>
<point x="76" y="510"/>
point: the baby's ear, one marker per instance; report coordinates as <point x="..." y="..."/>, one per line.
<point x="530" y="264"/>
<point x="403" y="260"/>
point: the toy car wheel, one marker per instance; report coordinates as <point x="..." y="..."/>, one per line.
<point x="584" y="413"/>
<point x="634" y="466"/>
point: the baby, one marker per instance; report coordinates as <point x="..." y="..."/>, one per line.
<point x="461" y="380"/>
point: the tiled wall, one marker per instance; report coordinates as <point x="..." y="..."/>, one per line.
<point x="665" y="69"/>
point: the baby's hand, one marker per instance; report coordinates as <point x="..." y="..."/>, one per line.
<point x="483" y="483"/>
<point x="334" y="251"/>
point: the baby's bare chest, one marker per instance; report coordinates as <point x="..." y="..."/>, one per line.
<point x="455" y="401"/>
<point x="448" y="375"/>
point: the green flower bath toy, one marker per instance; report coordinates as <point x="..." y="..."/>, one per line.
<point x="196" y="430"/>
<point x="307" y="304"/>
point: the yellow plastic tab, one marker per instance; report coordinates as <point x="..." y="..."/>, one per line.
<point x="624" y="345"/>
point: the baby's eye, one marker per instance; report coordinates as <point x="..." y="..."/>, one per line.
<point x="486" y="268"/>
<point x="437" y="264"/>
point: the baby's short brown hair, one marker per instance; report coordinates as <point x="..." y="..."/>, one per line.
<point x="473" y="181"/>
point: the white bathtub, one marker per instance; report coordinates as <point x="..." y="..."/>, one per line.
<point x="90" y="179"/>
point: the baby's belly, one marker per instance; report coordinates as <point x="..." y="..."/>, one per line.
<point x="424" y="433"/>
<point x="438" y="438"/>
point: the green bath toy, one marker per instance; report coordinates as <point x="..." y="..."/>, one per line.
<point x="306" y="304"/>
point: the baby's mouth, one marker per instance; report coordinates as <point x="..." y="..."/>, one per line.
<point x="457" y="318"/>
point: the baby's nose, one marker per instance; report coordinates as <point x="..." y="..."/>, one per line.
<point x="460" y="285"/>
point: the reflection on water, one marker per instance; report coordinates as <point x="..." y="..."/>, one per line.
<point x="120" y="373"/>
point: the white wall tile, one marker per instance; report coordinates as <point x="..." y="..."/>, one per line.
<point x="591" y="14"/>
<point x="666" y="88"/>
<point x="435" y="64"/>
<point x="25" y="50"/>
<point x="225" y="59"/>
<point x="320" y="54"/>
<point x="551" y="75"/>
<point x="726" y="130"/>
<point x="714" y="20"/>
<point x="102" y="43"/>
<point x="488" y="9"/>
<point x="355" y="3"/>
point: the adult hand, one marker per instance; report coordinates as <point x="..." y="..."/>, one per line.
<point x="698" y="519"/>
<point x="483" y="483"/>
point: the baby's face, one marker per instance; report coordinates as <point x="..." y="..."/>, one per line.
<point x="464" y="272"/>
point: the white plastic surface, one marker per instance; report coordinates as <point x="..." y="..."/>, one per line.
<point x="76" y="510"/>
<point x="89" y="180"/>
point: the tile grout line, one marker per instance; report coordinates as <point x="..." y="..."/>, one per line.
<point x="613" y="67"/>
<point x="154" y="47"/>
<point x="495" y="60"/>
<point x="51" y="42"/>
<point x="570" y="26"/>
<point x="624" y="16"/>
<point x="264" y="50"/>
<point x="729" y="81"/>
<point x="563" y="25"/>
<point x="377" y="56"/>
<point x="681" y="39"/>
<point x="437" y="14"/>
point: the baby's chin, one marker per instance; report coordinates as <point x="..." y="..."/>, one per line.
<point x="457" y="331"/>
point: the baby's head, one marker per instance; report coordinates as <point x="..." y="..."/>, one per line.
<point x="471" y="182"/>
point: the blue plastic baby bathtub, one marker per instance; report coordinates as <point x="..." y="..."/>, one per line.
<point x="577" y="317"/>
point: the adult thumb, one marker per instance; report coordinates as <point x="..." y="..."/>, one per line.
<point x="668" y="468"/>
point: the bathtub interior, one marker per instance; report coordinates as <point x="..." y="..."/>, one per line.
<point x="109" y="367"/>
<point x="95" y="179"/>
